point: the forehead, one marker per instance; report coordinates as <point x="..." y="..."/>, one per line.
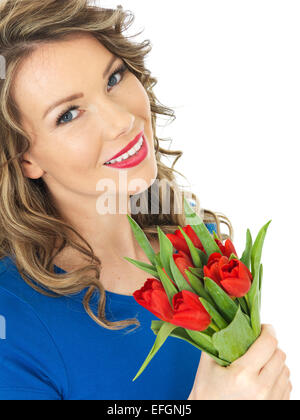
<point x="55" y="69"/>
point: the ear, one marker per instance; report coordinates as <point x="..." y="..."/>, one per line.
<point x="30" y="168"/>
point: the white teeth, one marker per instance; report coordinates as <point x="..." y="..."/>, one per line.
<point x="128" y="154"/>
<point x="131" y="152"/>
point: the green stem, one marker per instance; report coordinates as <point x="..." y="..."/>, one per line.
<point x="244" y="305"/>
<point x="247" y="301"/>
<point x="214" y="327"/>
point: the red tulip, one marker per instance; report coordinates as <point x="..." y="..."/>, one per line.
<point x="179" y="241"/>
<point x="211" y="269"/>
<point x="183" y="262"/>
<point x="233" y="276"/>
<point x="153" y="297"/>
<point x="236" y="277"/>
<point x="180" y="244"/>
<point x="226" y="249"/>
<point x="189" y="312"/>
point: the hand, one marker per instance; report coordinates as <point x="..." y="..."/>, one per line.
<point x="261" y="374"/>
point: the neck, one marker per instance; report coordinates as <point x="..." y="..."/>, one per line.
<point x="110" y="235"/>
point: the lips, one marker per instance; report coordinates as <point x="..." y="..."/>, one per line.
<point x="128" y="147"/>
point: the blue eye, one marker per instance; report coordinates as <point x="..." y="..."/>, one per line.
<point x="65" y="116"/>
<point x="120" y="70"/>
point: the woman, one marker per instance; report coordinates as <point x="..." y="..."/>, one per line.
<point x="76" y="96"/>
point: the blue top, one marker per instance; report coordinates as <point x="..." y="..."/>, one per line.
<point x="50" y="349"/>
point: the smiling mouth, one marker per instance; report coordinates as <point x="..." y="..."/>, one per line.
<point x="137" y="145"/>
<point x="132" y="155"/>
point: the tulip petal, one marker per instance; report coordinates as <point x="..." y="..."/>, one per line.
<point x="237" y="287"/>
<point x="244" y="272"/>
<point x="189" y="312"/>
<point x="153" y="297"/>
<point x="229" y="248"/>
<point x="180" y="280"/>
<point x="178" y="243"/>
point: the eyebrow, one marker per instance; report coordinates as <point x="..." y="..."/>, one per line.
<point x="79" y="95"/>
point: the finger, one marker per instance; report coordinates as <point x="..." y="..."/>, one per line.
<point x="282" y="385"/>
<point x="287" y="395"/>
<point x="260" y="352"/>
<point x="273" y="369"/>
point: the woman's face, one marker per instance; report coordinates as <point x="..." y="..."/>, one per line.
<point x="72" y="142"/>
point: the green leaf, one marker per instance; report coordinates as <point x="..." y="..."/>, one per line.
<point x="197" y="272"/>
<point x="191" y="217"/>
<point x="260" y="283"/>
<point x="181" y="282"/>
<point x="217" y="318"/>
<point x="235" y="340"/>
<point x="244" y="306"/>
<point x="169" y="287"/>
<point x="206" y="239"/>
<point x="260" y="276"/>
<point x="158" y="260"/>
<point x="215" y="236"/>
<point x="145" y="267"/>
<point x="202" y="341"/>
<point x="183" y="335"/>
<point x="246" y="257"/>
<point x="166" y="250"/>
<point x="255" y="265"/>
<point x="195" y="256"/>
<point x="197" y="286"/>
<point x="255" y="315"/>
<point x="225" y="304"/>
<point x="201" y="230"/>
<point x="203" y="256"/>
<point x="164" y="332"/>
<point x="142" y="240"/>
<point x="233" y="257"/>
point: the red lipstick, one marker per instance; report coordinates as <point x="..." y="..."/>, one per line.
<point x="134" y="157"/>
<point x="128" y="147"/>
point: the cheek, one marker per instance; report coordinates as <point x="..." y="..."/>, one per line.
<point x="74" y="153"/>
<point x="140" y="104"/>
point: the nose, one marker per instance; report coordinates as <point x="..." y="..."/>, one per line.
<point x="115" y="120"/>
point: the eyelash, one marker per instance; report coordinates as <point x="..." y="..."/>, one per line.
<point x="121" y="69"/>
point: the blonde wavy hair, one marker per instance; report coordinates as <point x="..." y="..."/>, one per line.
<point x="30" y="224"/>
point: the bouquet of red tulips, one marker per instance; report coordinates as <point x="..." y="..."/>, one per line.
<point x="203" y="293"/>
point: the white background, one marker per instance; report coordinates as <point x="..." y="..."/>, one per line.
<point x="231" y="71"/>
